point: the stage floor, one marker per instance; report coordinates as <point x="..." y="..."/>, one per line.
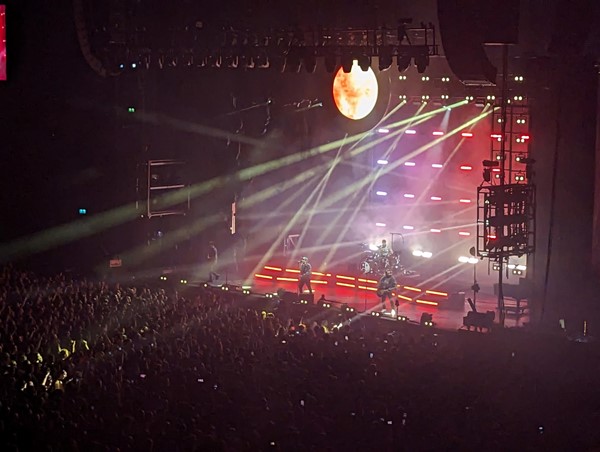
<point x="450" y="319"/>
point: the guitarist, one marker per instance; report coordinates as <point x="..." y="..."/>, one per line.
<point x="305" y="273"/>
<point x="387" y="284"/>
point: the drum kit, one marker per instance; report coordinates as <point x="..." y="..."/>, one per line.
<point x="376" y="263"/>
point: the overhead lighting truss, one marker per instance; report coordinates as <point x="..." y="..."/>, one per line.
<point x="283" y="50"/>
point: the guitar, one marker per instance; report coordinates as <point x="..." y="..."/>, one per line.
<point x="381" y="292"/>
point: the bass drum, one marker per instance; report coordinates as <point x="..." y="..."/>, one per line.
<point x="394" y="262"/>
<point x="365" y="267"/>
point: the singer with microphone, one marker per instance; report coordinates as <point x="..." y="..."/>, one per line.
<point x="305" y="273"/>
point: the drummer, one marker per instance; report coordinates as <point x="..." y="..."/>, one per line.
<point x="383" y="250"/>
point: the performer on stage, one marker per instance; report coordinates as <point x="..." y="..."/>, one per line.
<point x="212" y="256"/>
<point x="387" y="284"/>
<point x="384" y="254"/>
<point x="383" y="249"/>
<point x="305" y="273"/>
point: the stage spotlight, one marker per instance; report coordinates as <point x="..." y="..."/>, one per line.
<point x="403" y="61"/>
<point x="402" y="97"/>
<point x="385" y="58"/>
<point x="364" y="62"/>
<point x="427" y="254"/>
<point x="402" y="77"/>
<point x="519" y="78"/>
<point x="417" y="253"/>
<point x="403" y="318"/>
<point x="346" y="308"/>
<point x="307" y="298"/>
<point x="183" y="281"/>
<point x="382" y="162"/>
<point x="445" y="79"/>
<point x="381" y="193"/>
<point x="425" y="78"/>
<point x="422" y="60"/>
<point x="487" y="175"/>
<point x="163" y="278"/>
<point x="310" y="60"/>
<point x="426" y="319"/>
<point x="261" y="60"/>
<point x="376" y="314"/>
<point x="347" y="62"/>
<point x="330" y="62"/>
<point x="490" y="163"/>
<point x="293" y="62"/>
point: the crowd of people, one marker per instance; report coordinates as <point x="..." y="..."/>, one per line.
<point x="87" y="365"/>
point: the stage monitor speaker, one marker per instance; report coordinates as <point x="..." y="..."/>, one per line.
<point x="479" y="320"/>
<point x="289" y="297"/>
<point x="308" y="297"/>
<point x="465" y="26"/>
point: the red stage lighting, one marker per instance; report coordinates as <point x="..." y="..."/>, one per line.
<point x="466" y="167"/>
<point x="2" y="42"/>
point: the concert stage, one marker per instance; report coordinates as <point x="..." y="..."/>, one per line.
<point x="359" y="292"/>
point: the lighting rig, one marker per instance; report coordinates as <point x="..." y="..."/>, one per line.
<point x="132" y="48"/>
<point x="506" y="197"/>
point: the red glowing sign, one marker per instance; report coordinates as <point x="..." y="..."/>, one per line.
<point x="2" y="42"/>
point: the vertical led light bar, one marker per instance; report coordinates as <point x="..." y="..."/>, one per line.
<point x="2" y="42"/>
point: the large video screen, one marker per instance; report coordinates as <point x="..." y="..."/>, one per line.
<point x="2" y="42"/>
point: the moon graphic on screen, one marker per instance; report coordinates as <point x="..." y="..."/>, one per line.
<point x="355" y="92"/>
